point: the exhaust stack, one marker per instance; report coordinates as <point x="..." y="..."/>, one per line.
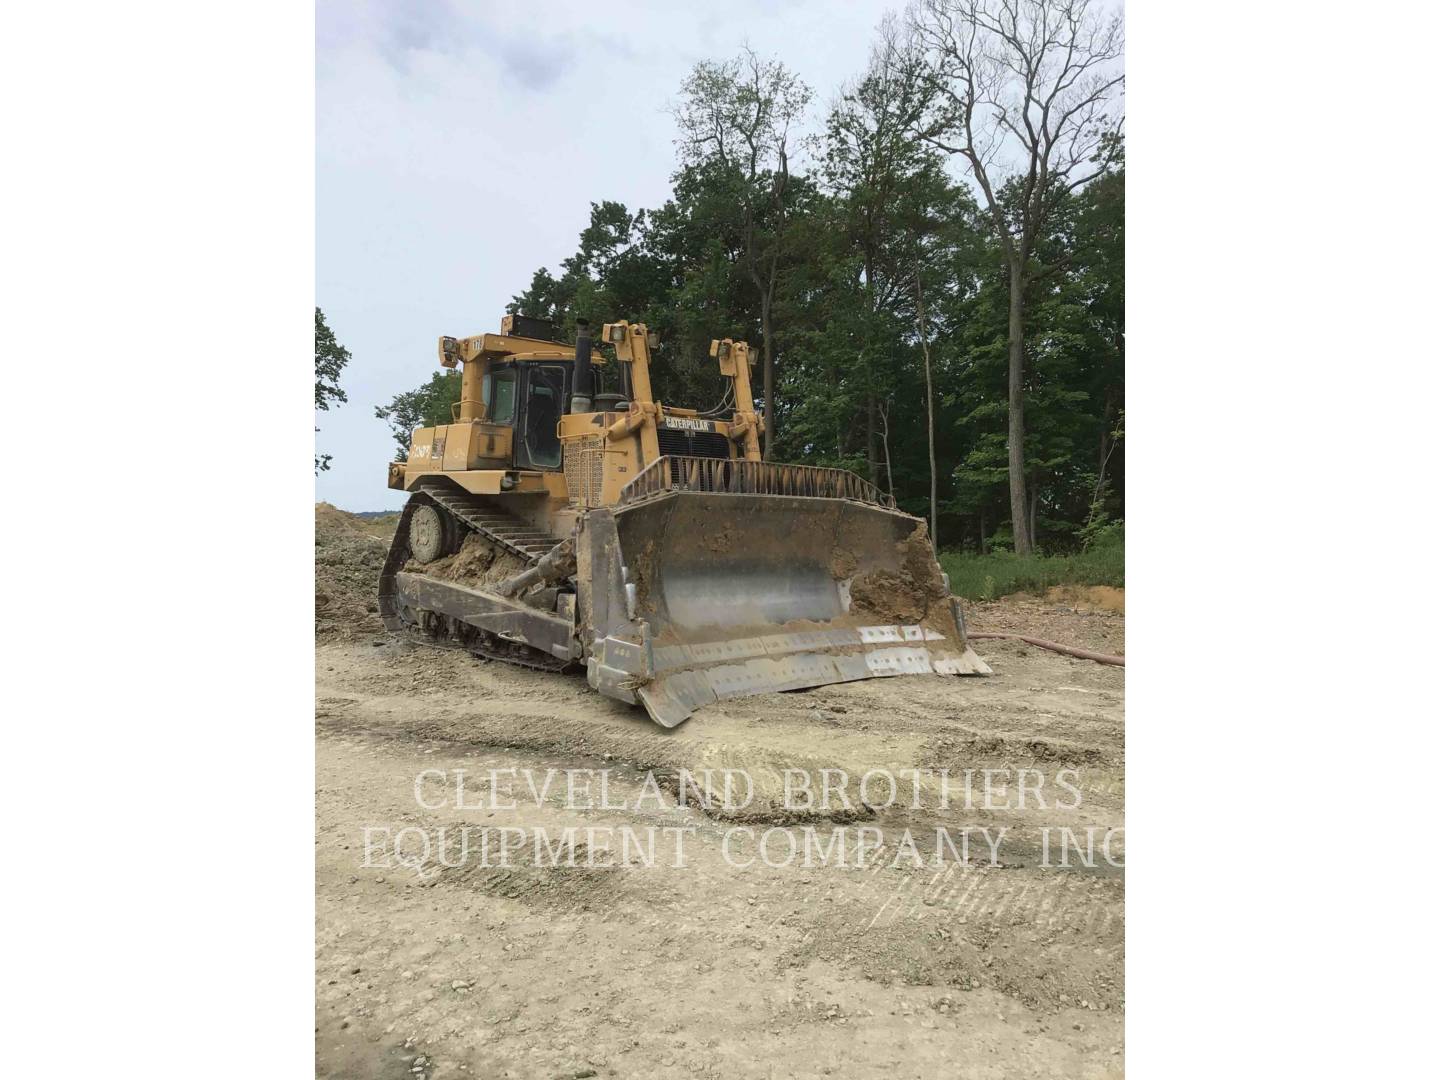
<point x="584" y="388"/>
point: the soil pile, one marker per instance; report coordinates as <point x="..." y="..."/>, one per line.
<point x="1088" y="599"/>
<point x="476" y="564"/>
<point x="348" y="557"/>
<point x="908" y="594"/>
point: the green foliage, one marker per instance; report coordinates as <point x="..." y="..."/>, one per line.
<point x="877" y="222"/>
<point x="888" y="226"/>
<point x="985" y="577"/>
<point x="330" y="360"/>
<point x="1074" y="377"/>
<point x="1100" y="533"/>
<point x="427" y="406"/>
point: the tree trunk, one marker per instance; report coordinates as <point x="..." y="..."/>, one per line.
<point x="929" y="412"/>
<point x="885" y="433"/>
<point x="769" y="375"/>
<point x="1100" y="474"/>
<point x="871" y="451"/>
<point x="1106" y="447"/>
<point x="1019" y="505"/>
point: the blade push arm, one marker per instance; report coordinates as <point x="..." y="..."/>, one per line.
<point x="734" y="358"/>
<point x="632" y="346"/>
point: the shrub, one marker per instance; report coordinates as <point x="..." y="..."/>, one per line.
<point x="1000" y="573"/>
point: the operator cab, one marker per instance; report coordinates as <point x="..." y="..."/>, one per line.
<point x="530" y="398"/>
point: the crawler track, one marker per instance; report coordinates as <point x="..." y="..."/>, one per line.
<point x="496" y="525"/>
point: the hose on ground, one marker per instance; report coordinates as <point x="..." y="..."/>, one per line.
<point x="1055" y="646"/>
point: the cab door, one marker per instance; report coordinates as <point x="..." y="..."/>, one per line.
<point x="544" y="393"/>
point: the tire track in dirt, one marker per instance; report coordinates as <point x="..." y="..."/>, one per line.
<point x="712" y="969"/>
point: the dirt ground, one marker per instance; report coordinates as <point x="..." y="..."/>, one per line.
<point x="720" y="967"/>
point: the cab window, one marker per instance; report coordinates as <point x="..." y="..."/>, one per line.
<point x="500" y="396"/>
<point x="544" y="404"/>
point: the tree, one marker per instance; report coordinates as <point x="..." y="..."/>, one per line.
<point x="606" y="259"/>
<point x="901" y="216"/>
<point x="929" y="407"/>
<point x="1074" y="373"/>
<point x="736" y="116"/>
<point x="330" y="360"/>
<point x="882" y="290"/>
<point x="872" y="165"/>
<point x="426" y="406"/>
<point x="624" y="268"/>
<point x="1027" y="93"/>
<point x="1098" y="277"/>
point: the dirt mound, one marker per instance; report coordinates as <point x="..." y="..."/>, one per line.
<point x="1088" y="598"/>
<point x="332" y="517"/>
<point x="348" y="557"/>
<point x="908" y="595"/>
<point x="477" y="563"/>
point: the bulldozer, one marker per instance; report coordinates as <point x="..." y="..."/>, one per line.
<point x="565" y="519"/>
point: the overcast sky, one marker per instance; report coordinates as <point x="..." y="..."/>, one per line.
<point x="460" y="144"/>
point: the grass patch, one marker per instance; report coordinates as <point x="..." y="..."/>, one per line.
<point x="985" y="577"/>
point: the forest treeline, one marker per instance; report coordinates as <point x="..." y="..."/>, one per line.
<point x="936" y="254"/>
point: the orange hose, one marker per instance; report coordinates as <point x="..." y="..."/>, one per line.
<point x="1054" y="646"/>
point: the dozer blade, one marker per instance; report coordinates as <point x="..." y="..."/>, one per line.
<point x="696" y="597"/>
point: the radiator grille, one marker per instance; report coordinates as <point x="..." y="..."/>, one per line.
<point x="585" y="470"/>
<point x="705" y="444"/>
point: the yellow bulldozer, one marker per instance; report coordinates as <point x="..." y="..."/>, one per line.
<point x="566" y="519"/>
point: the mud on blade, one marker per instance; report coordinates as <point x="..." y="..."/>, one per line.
<point x="694" y="597"/>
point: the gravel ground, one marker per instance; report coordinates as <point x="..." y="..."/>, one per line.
<point x="914" y="966"/>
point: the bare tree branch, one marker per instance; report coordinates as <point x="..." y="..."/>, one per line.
<point x="1029" y="93"/>
<point x="737" y="115"/>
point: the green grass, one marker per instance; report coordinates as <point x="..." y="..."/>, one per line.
<point x="985" y="577"/>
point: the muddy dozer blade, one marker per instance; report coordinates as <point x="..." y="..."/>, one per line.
<point x="697" y="597"/>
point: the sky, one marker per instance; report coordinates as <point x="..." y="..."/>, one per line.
<point x="459" y="146"/>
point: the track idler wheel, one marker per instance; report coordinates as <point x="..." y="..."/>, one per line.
<point x="430" y="533"/>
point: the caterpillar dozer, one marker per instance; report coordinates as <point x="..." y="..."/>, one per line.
<point x="558" y="526"/>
